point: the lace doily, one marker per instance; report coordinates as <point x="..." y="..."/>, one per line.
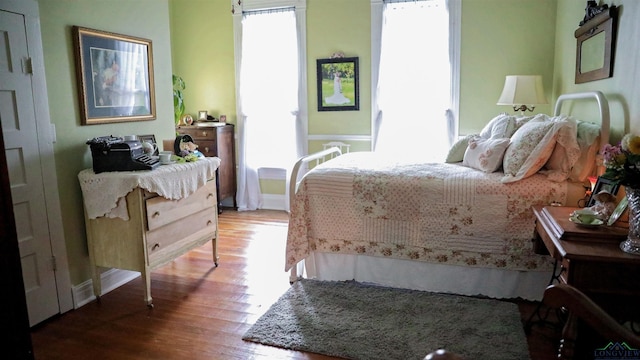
<point x="104" y="193"/>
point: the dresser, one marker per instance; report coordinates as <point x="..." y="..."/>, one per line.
<point x="217" y="139"/>
<point x="589" y="259"/>
<point x="146" y="230"/>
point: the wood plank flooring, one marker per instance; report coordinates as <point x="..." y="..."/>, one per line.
<point x="201" y="312"/>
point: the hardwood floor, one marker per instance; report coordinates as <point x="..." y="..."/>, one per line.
<point x="201" y="312"/>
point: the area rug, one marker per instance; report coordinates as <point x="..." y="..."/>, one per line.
<point x="357" y="321"/>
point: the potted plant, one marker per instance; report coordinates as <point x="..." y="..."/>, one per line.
<point x="178" y="101"/>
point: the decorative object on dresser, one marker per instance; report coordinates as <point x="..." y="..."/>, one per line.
<point x="139" y="221"/>
<point x="217" y="139"/>
<point x="621" y="163"/>
<point x="108" y="65"/>
<point x="120" y="154"/>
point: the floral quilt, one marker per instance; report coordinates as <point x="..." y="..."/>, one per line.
<point x="360" y="203"/>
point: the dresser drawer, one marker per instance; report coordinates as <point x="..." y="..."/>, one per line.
<point x="199" y="134"/>
<point x="207" y="147"/>
<point x="161" y="211"/>
<point x="163" y="243"/>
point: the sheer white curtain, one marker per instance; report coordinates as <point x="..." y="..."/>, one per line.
<point x="414" y="86"/>
<point x="268" y="98"/>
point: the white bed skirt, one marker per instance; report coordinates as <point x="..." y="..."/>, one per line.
<point x="494" y="283"/>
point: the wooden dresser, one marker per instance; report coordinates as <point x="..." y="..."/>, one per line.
<point x="590" y="260"/>
<point x="217" y="140"/>
<point x="157" y="230"/>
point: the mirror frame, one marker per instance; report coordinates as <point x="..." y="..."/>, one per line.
<point x="604" y="21"/>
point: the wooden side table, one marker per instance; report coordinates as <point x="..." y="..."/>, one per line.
<point x="590" y="260"/>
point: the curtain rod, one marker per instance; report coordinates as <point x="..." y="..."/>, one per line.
<point x="269" y="11"/>
<point x="402" y="1"/>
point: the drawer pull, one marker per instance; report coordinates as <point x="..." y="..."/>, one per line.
<point x="155" y="246"/>
<point x="204" y="133"/>
<point x="209" y="222"/>
<point x="156" y="214"/>
<point x="206" y="149"/>
<point x="209" y="196"/>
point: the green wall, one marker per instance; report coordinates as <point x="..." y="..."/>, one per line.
<point x="71" y="153"/>
<point x="622" y="89"/>
<point x="202" y="54"/>
<point x="499" y="38"/>
<point x="194" y="39"/>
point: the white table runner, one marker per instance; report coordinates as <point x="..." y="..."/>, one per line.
<point x="104" y="193"/>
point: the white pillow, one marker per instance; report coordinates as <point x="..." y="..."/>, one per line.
<point x="485" y="154"/>
<point x="530" y="148"/>
<point x="456" y="153"/>
<point x="501" y="126"/>
<point x="566" y="151"/>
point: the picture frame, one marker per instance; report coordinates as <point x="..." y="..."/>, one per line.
<point x="603" y="184"/>
<point x="115" y="77"/>
<point x="202" y="115"/>
<point x="150" y="139"/>
<point x="338" y="85"/>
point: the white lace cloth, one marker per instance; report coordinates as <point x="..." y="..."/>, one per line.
<point x="104" y="193"/>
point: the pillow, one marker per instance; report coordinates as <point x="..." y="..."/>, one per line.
<point x="521" y="120"/>
<point x="456" y="153"/>
<point x="530" y="148"/>
<point x="566" y="152"/>
<point x="501" y="126"/>
<point x="485" y="154"/>
<point x="589" y="142"/>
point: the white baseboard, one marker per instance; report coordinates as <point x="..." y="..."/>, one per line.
<point x="273" y="202"/>
<point x="110" y="279"/>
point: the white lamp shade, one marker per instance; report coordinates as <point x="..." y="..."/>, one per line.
<point x="522" y="90"/>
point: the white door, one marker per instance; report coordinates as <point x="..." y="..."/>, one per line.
<point x="18" y="119"/>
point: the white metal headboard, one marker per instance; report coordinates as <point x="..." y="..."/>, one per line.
<point x="603" y="105"/>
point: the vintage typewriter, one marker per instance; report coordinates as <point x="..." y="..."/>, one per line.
<point x="111" y="153"/>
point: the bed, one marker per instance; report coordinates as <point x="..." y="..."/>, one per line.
<point x="458" y="227"/>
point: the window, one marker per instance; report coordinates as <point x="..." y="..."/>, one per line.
<point x="415" y="95"/>
<point x="271" y="93"/>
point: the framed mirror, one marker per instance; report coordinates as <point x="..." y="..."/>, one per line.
<point x="595" y="44"/>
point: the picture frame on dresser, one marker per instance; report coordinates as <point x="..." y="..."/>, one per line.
<point x="151" y="139"/>
<point x="115" y="77"/>
<point x="603" y="184"/>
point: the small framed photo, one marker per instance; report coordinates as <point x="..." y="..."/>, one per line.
<point x="151" y="139"/>
<point x="603" y="184"/>
<point x="202" y="115"/>
<point x="338" y="88"/>
<point x="223" y="118"/>
<point x="115" y="77"/>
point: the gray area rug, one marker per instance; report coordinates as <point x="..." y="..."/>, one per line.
<point x="356" y="321"/>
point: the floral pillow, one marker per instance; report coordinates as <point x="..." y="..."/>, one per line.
<point x="501" y="126"/>
<point x="530" y="148"/>
<point x="566" y="151"/>
<point x="485" y="154"/>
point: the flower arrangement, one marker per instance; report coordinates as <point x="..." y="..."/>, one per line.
<point x="622" y="161"/>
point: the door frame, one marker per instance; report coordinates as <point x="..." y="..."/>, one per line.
<point x="46" y="136"/>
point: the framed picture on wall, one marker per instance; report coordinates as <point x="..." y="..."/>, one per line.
<point x="338" y="87"/>
<point x="115" y="77"/>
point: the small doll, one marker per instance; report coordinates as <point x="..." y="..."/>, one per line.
<point x="188" y="147"/>
<point x="605" y="204"/>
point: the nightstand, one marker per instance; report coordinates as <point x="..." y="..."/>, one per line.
<point x="590" y="260"/>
